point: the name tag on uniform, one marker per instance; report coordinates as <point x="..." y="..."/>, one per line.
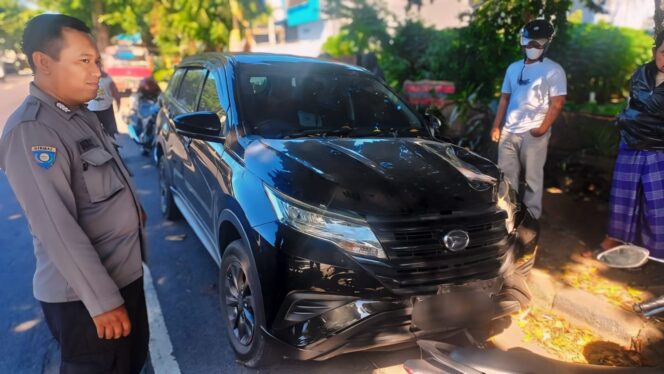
<point x="44" y="156"/>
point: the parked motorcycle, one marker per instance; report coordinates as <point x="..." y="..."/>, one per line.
<point x="143" y="115"/>
<point x="444" y="358"/>
<point x="141" y="123"/>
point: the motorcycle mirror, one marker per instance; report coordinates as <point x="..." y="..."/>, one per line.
<point x="625" y="256"/>
<point x="434" y="124"/>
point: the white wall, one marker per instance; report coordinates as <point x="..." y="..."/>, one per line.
<point x="441" y="14"/>
<point x="637" y="14"/>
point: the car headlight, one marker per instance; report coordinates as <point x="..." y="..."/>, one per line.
<point x="506" y="200"/>
<point x="348" y="233"/>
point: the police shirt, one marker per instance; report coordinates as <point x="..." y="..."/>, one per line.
<point x="82" y="208"/>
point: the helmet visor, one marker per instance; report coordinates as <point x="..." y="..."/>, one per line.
<point x="533" y="43"/>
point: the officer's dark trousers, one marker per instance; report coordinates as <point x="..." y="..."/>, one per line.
<point x="81" y="351"/>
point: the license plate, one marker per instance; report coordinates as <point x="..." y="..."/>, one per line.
<point x="489" y="286"/>
<point x="454" y="306"/>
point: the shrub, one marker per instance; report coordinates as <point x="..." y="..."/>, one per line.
<point x="600" y="58"/>
<point x="419" y="52"/>
<point x="596" y="57"/>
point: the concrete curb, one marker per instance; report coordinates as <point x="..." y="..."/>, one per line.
<point x="587" y="310"/>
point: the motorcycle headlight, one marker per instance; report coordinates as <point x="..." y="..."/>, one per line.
<point x="506" y="200"/>
<point x="348" y="233"/>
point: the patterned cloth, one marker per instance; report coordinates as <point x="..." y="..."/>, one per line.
<point x="637" y="199"/>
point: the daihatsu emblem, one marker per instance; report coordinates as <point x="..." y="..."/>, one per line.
<point x="456" y="240"/>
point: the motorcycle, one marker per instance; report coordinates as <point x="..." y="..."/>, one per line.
<point x="444" y="358"/>
<point x="141" y="123"/>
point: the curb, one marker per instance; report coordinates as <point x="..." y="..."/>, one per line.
<point x="587" y="310"/>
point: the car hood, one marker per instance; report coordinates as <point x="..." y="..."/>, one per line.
<point x="375" y="177"/>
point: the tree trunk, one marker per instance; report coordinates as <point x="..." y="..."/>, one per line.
<point x="100" y="30"/>
<point x="659" y="16"/>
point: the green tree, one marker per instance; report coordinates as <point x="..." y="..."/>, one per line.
<point x="90" y="12"/>
<point x="418" y="52"/>
<point x="245" y="13"/>
<point x="473" y="56"/>
<point x="175" y="27"/>
<point x="490" y="42"/>
<point x="368" y="27"/>
<point x="13" y="17"/>
<point x="588" y="54"/>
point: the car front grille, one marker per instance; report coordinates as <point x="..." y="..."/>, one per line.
<point x="419" y="261"/>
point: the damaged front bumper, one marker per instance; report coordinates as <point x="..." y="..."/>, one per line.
<point x="351" y="306"/>
<point x="363" y="324"/>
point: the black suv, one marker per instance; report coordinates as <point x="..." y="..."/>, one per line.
<point x="339" y="220"/>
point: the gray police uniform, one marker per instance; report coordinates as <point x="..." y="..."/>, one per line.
<point x="79" y="200"/>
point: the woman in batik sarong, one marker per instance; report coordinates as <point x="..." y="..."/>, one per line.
<point x="636" y="211"/>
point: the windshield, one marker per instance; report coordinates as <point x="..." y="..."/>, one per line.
<point x="296" y="100"/>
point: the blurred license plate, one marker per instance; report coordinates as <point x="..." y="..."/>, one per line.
<point x="455" y="306"/>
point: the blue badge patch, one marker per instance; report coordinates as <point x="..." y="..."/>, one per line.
<point x="44" y="156"/>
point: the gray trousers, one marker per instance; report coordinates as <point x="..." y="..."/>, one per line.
<point x="525" y="152"/>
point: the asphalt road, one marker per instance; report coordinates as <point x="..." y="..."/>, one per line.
<point x="184" y="277"/>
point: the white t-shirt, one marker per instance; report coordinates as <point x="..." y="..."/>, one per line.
<point x="530" y="92"/>
<point x="104" y="99"/>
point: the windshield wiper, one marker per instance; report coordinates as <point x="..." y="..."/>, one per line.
<point x="343" y="131"/>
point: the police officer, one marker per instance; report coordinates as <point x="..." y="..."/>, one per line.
<point x="83" y="211"/>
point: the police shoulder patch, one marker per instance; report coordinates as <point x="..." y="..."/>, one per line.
<point x="44" y="156"/>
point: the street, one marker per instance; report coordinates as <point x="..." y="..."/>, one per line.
<point x="181" y="287"/>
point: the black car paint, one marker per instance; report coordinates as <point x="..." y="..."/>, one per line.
<point x="380" y="179"/>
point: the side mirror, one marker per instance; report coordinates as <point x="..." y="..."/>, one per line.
<point x="434" y="124"/>
<point x="199" y="125"/>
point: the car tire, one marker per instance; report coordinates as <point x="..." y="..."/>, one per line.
<point x="166" y="202"/>
<point x="242" y="307"/>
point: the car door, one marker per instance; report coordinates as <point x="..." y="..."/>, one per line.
<point x="173" y="147"/>
<point x="201" y="176"/>
<point x="186" y="102"/>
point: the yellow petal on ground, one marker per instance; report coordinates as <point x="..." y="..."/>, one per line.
<point x="396" y="369"/>
<point x="575" y="344"/>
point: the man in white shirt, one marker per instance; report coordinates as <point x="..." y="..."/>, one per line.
<point x="102" y="105"/>
<point x="533" y="95"/>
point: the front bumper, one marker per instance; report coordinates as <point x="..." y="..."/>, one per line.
<point x="341" y="304"/>
<point x="373" y="325"/>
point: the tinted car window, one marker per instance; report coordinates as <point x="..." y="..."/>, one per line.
<point x="210" y="98"/>
<point x="175" y="82"/>
<point x="191" y="84"/>
<point x="303" y="98"/>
